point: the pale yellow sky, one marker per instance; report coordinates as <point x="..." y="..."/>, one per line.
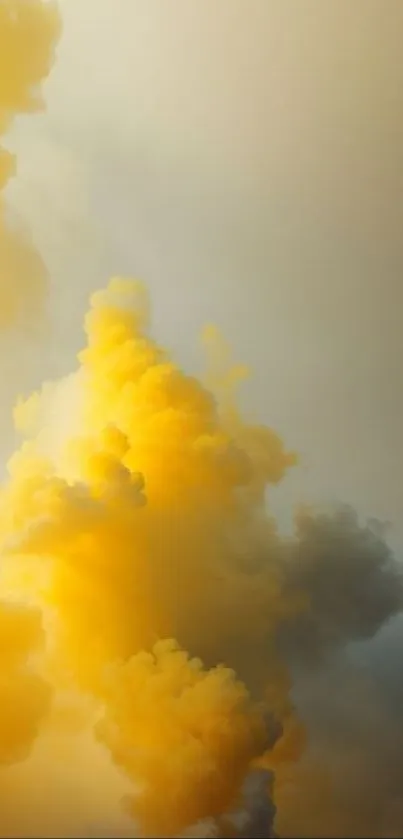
<point x="245" y="158"/>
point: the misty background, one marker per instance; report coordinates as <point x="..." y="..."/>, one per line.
<point x="246" y="160"/>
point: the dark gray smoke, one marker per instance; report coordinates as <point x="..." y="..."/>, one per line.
<point x="351" y="579"/>
<point x="345" y="655"/>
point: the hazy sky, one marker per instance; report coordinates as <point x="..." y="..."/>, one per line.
<point x="245" y="158"/>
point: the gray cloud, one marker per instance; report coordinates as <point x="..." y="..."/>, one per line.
<point x="351" y="579"/>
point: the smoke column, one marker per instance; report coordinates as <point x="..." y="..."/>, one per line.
<point x="174" y="619"/>
<point x="170" y="666"/>
<point x="28" y="31"/>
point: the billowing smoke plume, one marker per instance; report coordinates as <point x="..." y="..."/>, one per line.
<point x="183" y="639"/>
<point x="28" y="30"/>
